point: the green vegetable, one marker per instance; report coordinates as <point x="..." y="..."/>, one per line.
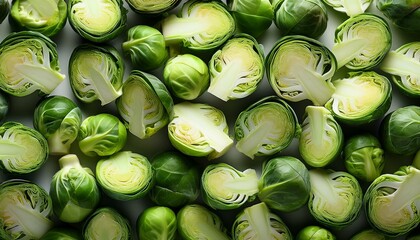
<point x="26" y="210"/>
<point x="157" y="222"/>
<point x="336" y="197"/>
<point x="199" y="25"/>
<point x="147" y="7"/>
<point x="237" y="68"/>
<point x="102" y="134"/>
<point x="97" y="20"/>
<point x="314" y="232"/>
<point x="106" y="223"/>
<point x="23" y="149"/>
<point x="145" y="105"/>
<point x="61" y="233"/>
<point x="4" y="9"/>
<point x="125" y="175"/>
<point x="224" y="187"/>
<point x="177" y="179"/>
<point x="266" y="127"/>
<point x="58" y="119"/>
<point x="45" y="16"/>
<point x="370" y="234"/>
<point x="73" y="190"/>
<point x="4" y="105"/>
<point x="96" y="72"/>
<point x="258" y="222"/>
<point x="199" y="129"/>
<point x="403" y="14"/>
<point x="29" y="63"/>
<point x="186" y="76"/>
<point x="284" y="184"/>
<point x="351" y="8"/>
<point x="300" y="68"/>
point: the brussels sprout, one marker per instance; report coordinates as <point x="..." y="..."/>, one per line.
<point x="362" y="41"/>
<point x="73" y="190"/>
<point x="145" y="46"/>
<point x="266" y="127"/>
<point x="45" y="16"/>
<point x="61" y="233"/>
<point x="284" y="184"/>
<point x="156" y="7"/>
<point x="200" y="130"/>
<point x="145" y="105"/>
<point x="28" y="63"/>
<point x="23" y="149"/>
<point x="102" y="135"/>
<point x="195" y="221"/>
<point x="336" y="197"/>
<point x="300" y="68"/>
<point x="96" y="72"/>
<point x="224" y="187"/>
<point x="360" y="98"/>
<point x="58" y="119"/>
<point x="391" y="202"/>
<point x="364" y="157"/>
<point x="253" y="17"/>
<point x="4" y="106"/>
<point x="199" y="25"/>
<point x="307" y="17"/>
<point x="177" y="180"/>
<point x="403" y="14"/>
<point x="369" y="234"/>
<point x="257" y="222"/>
<point x="400" y="130"/>
<point x="26" y="210"/>
<point x="186" y="76"/>
<point x="4" y="9"/>
<point x="97" y="20"/>
<point x="157" y="222"/>
<point x="237" y="68"/>
<point x="322" y="138"/>
<point x="351" y="8"/>
<point x="106" y="223"/>
<point x="125" y="175"/>
<point x="314" y="232"/>
<point x="403" y="65"/>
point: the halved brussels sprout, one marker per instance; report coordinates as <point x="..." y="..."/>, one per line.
<point x="107" y="223"/>
<point x="266" y="127"/>
<point x="253" y="17"/>
<point x="58" y="119"/>
<point x="224" y="187"/>
<point x="125" y="175"/>
<point x="45" y="16"/>
<point x="237" y="68"/>
<point x="200" y="130"/>
<point x="391" y="202"/>
<point x="145" y="105"/>
<point x="403" y="64"/>
<point x="364" y="157"/>
<point x="305" y="17"/>
<point x="101" y="135"/>
<point x="351" y="8"/>
<point x="200" y="25"/>
<point x="97" y="20"/>
<point x="336" y="197"/>
<point x="258" y="222"/>
<point x="197" y="222"/>
<point x="186" y="76"/>
<point x="61" y="233"/>
<point x="322" y="138"/>
<point x="284" y="184"/>
<point x="369" y="234"/>
<point x="26" y="210"/>
<point x="96" y="72"/>
<point x="400" y="130"/>
<point x="155" y="7"/>
<point x="157" y="222"/>
<point x="402" y="13"/>
<point x="29" y="63"/>
<point x="362" y="41"/>
<point x="300" y="68"/>
<point x="177" y="179"/>
<point x="73" y="190"/>
<point x="4" y="9"/>
<point x="360" y="98"/>
<point x="23" y="149"/>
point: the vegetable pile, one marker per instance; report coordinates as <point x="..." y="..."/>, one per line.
<point x="209" y="119"/>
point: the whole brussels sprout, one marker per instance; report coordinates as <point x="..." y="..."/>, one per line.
<point x="61" y="233"/>
<point x="314" y="232"/>
<point x="157" y="222"/>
